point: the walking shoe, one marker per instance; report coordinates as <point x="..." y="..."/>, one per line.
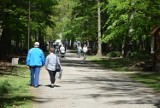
<point x="31" y="85"/>
<point x="52" y="85"/>
<point x="35" y="86"/>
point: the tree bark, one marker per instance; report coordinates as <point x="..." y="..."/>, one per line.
<point x="99" y="52"/>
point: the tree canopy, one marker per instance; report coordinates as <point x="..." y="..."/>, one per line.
<point x="14" y="18"/>
<point x="122" y="21"/>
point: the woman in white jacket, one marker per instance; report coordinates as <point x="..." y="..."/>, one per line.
<point x="50" y="65"/>
<point x="85" y="49"/>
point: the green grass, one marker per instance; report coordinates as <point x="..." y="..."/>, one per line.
<point x="14" y="88"/>
<point x="151" y="79"/>
<point x="117" y="64"/>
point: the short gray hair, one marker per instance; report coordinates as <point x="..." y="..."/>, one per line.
<point x="36" y="44"/>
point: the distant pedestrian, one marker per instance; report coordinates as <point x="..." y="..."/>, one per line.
<point x="50" y="65"/>
<point x="79" y="49"/>
<point x="85" y="49"/>
<point x="35" y="60"/>
<point x="56" y="48"/>
<point x="62" y="50"/>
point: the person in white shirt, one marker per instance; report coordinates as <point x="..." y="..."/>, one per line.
<point x="85" y="49"/>
<point x="62" y="50"/>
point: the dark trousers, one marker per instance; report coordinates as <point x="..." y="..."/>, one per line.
<point x="52" y="76"/>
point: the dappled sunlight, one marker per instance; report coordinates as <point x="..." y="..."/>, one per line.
<point x="108" y="85"/>
<point x="91" y="84"/>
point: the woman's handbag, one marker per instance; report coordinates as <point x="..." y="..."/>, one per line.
<point x="58" y="67"/>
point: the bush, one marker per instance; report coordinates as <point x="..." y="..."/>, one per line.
<point x="114" y="54"/>
<point x="140" y="55"/>
<point x="5" y="88"/>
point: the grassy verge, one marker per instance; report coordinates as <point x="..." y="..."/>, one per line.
<point x="117" y="64"/>
<point x="14" y="89"/>
<point x="151" y="79"/>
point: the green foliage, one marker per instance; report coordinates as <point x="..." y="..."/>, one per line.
<point x="140" y="16"/>
<point x="5" y="88"/>
<point x="62" y="20"/>
<point x="14" y="17"/>
<point x="83" y="23"/>
<point x="114" y="54"/>
<point x="121" y="20"/>
<point x="141" y="55"/>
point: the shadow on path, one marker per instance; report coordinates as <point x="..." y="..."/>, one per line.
<point x="85" y="82"/>
<point x="119" y="88"/>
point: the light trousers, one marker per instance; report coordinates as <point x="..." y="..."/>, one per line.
<point x="35" y="75"/>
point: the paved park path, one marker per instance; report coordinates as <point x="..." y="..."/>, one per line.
<point x="85" y="85"/>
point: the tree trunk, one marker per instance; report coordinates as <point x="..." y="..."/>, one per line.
<point x="41" y="38"/>
<point x="5" y="41"/>
<point x="99" y="52"/>
<point x="130" y="31"/>
<point x="131" y="18"/>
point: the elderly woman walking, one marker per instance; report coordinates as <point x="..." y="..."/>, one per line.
<point x="50" y="65"/>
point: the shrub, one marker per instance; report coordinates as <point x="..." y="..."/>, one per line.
<point x="140" y="55"/>
<point x="114" y="54"/>
<point x="5" y="88"/>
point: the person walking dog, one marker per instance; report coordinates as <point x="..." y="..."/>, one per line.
<point x="50" y="65"/>
<point x="35" y="60"/>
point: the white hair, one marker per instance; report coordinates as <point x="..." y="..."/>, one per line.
<point x="36" y="44"/>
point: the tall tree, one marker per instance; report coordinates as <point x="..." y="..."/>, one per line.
<point x="99" y="52"/>
<point x="14" y="17"/>
<point x="121" y="25"/>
